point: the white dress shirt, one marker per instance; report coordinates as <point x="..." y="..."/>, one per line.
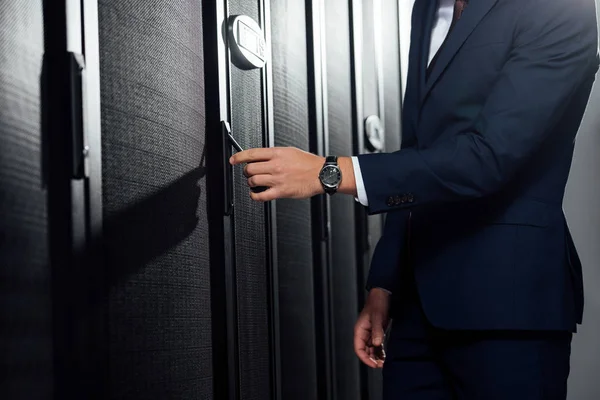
<point x="440" y="29"/>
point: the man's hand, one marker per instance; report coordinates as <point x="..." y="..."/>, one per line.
<point x="369" y="331"/>
<point x="288" y="172"/>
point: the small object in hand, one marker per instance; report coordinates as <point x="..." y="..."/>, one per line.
<point x="379" y="353"/>
<point x="234" y="143"/>
<point x="258" y="189"/>
<point x="376" y="353"/>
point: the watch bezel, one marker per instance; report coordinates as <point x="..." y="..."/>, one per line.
<point x="339" y="176"/>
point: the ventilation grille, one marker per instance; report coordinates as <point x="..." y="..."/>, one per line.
<point x="154" y="197"/>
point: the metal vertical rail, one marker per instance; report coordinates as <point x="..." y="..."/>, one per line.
<point x="71" y="114"/>
<point x="400" y="69"/>
<point x="356" y="42"/>
<point x="379" y="70"/>
<point x="377" y="35"/>
<point x="56" y="110"/>
<point x="271" y="210"/>
<point x="319" y="125"/>
<point x="233" y="349"/>
<point x="362" y="224"/>
<point x="93" y="262"/>
<point x="320" y="19"/>
<point x="92" y="114"/>
<point x="221" y="220"/>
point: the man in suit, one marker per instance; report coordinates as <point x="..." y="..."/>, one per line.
<point x="476" y="265"/>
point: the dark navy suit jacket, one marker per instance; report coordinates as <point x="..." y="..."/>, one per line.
<point x="474" y="198"/>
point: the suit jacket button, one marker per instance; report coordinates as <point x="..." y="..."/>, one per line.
<point x="398" y="200"/>
<point x="410" y="198"/>
<point x="390" y="201"/>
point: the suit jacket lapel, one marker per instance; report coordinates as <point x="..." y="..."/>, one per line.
<point x="426" y="25"/>
<point x="422" y="22"/>
<point x="473" y="14"/>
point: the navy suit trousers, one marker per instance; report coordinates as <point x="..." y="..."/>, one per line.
<point x="426" y="363"/>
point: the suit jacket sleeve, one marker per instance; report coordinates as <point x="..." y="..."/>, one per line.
<point x="389" y="253"/>
<point x="554" y="52"/>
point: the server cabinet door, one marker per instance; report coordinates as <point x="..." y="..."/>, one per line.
<point x="243" y="241"/>
<point x="155" y="216"/>
<point x="25" y="295"/>
<point x="299" y="360"/>
<point x="240" y="39"/>
<point x="343" y="224"/>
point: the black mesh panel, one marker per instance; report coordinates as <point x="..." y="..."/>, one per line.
<point x="251" y="263"/>
<point x="297" y="318"/>
<point x="156" y="234"/>
<point x="25" y="303"/>
<point x="345" y="306"/>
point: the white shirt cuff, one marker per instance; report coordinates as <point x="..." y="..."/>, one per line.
<point x="360" y="185"/>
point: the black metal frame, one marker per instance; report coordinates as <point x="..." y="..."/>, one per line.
<point x="58" y="177"/>
<point x="92" y="115"/>
<point x="377" y="16"/>
<point x="320" y="205"/>
<point x="73" y="171"/>
<point x="400" y="97"/>
<point x="93" y="263"/>
<point x="271" y="210"/>
<point x="221" y="223"/>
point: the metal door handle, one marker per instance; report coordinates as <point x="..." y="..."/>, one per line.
<point x="228" y="142"/>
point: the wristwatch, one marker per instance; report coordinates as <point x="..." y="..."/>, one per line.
<point x="330" y="175"/>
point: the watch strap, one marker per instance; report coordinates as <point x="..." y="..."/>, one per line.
<point x="331" y="160"/>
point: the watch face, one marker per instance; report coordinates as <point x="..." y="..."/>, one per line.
<point x="331" y="175"/>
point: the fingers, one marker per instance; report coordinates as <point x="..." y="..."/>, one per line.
<point x="260" y="180"/>
<point x="267" y="195"/>
<point x="378" y="333"/>
<point x="362" y="351"/>
<point x="253" y="155"/>
<point x="260" y="176"/>
<point x="376" y="354"/>
<point x="289" y="172"/>
<point x="258" y="168"/>
<point x="362" y="335"/>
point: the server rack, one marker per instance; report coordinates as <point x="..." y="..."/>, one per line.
<point x="156" y="287"/>
<point x="119" y="305"/>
